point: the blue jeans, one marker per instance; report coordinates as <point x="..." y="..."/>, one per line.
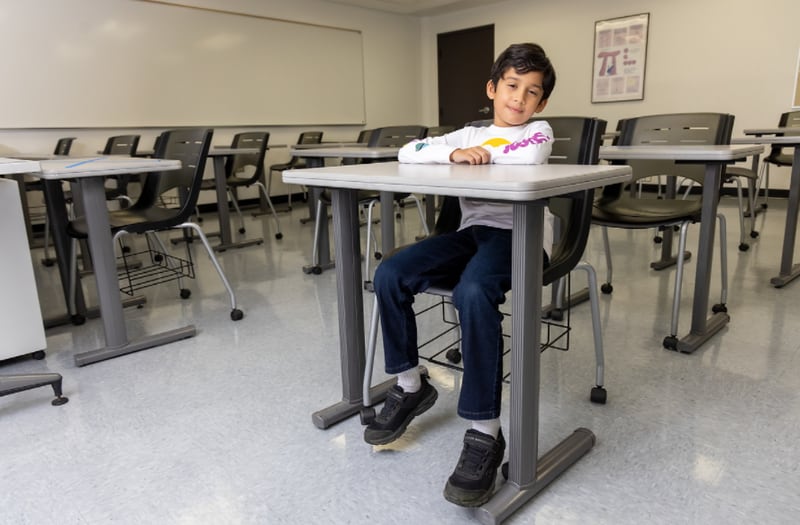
<point x="476" y="264"/>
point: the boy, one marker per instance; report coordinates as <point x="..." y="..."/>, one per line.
<point x="476" y="262"/>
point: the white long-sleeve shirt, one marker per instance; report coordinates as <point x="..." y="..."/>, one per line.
<point x="528" y="144"/>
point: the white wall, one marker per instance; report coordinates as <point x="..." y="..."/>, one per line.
<point x="730" y="56"/>
<point x="391" y="80"/>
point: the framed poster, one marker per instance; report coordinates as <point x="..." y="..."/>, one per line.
<point x="620" y="56"/>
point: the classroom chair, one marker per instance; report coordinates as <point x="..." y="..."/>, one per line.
<point x="577" y="140"/>
<point x="306" y="137"/>
<point x="245" y="171"/>
<point x="148" y="215"/>
<point x="619" y="207"/>
<point x="63" y="147"/>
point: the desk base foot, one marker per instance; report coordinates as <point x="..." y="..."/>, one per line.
<point x="316" y="270"/>
<point x="783" y="279"/>
<point x="91" y="313"/>
<point x="344" y="409"/>
<point x="691" y="342"/>
<point x="239" y="244"/>
<point x="661" y="264"/>
<point x="511" y="496"/>
<point x="101" y="354"/>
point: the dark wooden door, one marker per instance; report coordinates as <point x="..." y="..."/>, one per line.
<point x="464" y="60"/>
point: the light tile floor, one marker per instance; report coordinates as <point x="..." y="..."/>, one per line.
<point x="217" y="429"/>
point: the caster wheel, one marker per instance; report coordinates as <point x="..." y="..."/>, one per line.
<point x="453" y="355"/>
<point x="744" y="247"/>
<point x="398" y="216"/>
<point x="606" y="288"/>
<point x="158" y="257"/>
<point x="279" y="235"/>
<point x="598" y="395"/>
<point x="38" y="355"/>
<point x="754" y="234"/>
<point x="557" y="314"/>
<point x="77" y="319"/>
<point x="719" y="308"/>
<point x="237" y="315"/>
<point x="199" y="219"/>
<point x="288" y="208"/>
<point x="378" y="256"/>
<point x="48" y="262"/>
<point x="241" y="230"/>
<point x="658" y="240"/>
<point x="504" y="470"/>
<point x="60" y="400"/>
<point x="185" y="293"/>
<point x="126" y="249"/>
<point x="316" y="270"/>
<point x="671" y="342"/>
<point x="367" y="415"/>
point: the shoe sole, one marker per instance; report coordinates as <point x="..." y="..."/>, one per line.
<point x="421" y="408"/>
<point x="466" y="498"/>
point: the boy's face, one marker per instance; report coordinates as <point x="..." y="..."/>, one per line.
<point x="517" y="97"/>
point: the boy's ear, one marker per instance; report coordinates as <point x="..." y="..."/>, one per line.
<point x="490" y="89"/>
<point x="541" y="106"/>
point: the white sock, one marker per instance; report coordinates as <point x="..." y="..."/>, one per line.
<point x="487" y="426"/>
<point x="410" y="380"/>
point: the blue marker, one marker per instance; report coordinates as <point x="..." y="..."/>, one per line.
<point x="83" y="162"/>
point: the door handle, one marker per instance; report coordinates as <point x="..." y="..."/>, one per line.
<point x="484" y="110"/>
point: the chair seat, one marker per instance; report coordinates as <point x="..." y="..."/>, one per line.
<point x="127" y="219"/>
<point x="737" y="171"/>
<point x="781" y="159"/>
<point x="644" y="212"/>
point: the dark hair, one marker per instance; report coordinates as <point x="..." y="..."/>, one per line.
<point x="525" y="58"/>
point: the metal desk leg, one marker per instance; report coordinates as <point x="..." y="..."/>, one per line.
<point x="528" y="474"/>
<point x="352" y="347"/>
<point x="105" y="273"/>
<point x="387" y="221"/>
<point x="704" y="327"/>
<point x="789" y="271"/>
<point x="223" y="213"/>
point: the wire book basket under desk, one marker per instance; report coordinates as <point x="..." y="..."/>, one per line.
<point x="160" y="268"/>
<point x="442" y="346"/>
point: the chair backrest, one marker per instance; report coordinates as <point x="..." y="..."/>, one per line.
<point x="364" y="136"/>
<point x="674" y="129"/>
<point x="239" y="163"/>
<point x="310" y="137"/>
<point x="63" y="146"/>
<point x="395" y="136"/>
<point x="577" y="141"/>
<point x="480" y="123"/>
<point x="438" y="131"/>
<point x="190" y="146"/>
<point x="121" y="145"/>
<point x="778" y="154"/>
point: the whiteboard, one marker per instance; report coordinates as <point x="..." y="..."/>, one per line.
<point x="129" y="63"/>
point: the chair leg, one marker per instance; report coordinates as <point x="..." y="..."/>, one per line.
<point x="368" y="253"/>
<point x="421" y="214"/>
<point x="671" y="341"/>
<point x="316" y="268"/>
<point x="278" y="234"/>
<point x="372" y="343"/>
<point x="232" y="195"/>
<point x="607" y="288"/>
<point x="723" y="261"/>
<point x="236" y="314"/>
<point x="743" y="246"/>
<point x="598" y="394"/>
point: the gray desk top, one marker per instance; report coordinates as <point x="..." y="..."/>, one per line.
<point x="491" y="181"/>
<point x="677" y="152"/>
<point x="770" y="131"/>
<point x="224" y="151"/>
<point x="76" y="167"/>
<point x="786" y="140"/>
<point x="10" y="166"/>
<point x="361" y="152"/>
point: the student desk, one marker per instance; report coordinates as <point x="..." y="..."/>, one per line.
<point x="526" y="187"/>
<point x="89" y="175"/>
<point x="315" y="158"/>
<point x="788" y="270"/>
<point x="220" y="183"/>
<point x="714" y="158"/>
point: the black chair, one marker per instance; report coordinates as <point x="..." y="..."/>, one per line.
<point x="438" y="131"/>
<point x="619" y="207"/>
<point x="245" y="171"/>
<point x="577" y="141"/>
<point x="306" y="137"/>
<point x="63" y="147"/>
<point x="149" y="214"/>
<point x="120" y="145"/>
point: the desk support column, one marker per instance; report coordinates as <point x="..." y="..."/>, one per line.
<point x="704" y="327"/>
<point x="352" y="345"/>
<point x="788" y="272"/>
<point x="527" y="474"/>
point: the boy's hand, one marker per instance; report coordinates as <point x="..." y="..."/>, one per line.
<point x="473" y="155"/>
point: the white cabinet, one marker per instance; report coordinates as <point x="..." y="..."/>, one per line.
<point x="21" y="326"/>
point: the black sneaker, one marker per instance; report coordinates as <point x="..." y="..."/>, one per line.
<point x="472" y="483"/>
<point x="398" y="411"/>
